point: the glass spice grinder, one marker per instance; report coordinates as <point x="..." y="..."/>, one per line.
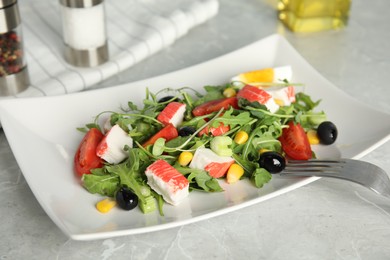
<point x="14" y="76"/>
<point x="84" y="32"/>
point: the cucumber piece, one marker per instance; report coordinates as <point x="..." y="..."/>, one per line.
<point x="220" y="145"/>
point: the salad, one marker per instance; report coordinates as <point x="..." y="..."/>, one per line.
<point x="182" y="140"/>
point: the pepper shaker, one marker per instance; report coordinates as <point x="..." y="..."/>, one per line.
<point x="84" y="32"/>
<point x="14" y="76"/>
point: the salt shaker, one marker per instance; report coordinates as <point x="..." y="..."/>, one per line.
<point x="84" y="32"/>
<point x="14" y="76"/>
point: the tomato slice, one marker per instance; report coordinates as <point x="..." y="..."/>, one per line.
<point x="168" y="133"/>
<point x="295" y="142"/>
<point x="215" y="105"/>
<point x="85" y="158"/>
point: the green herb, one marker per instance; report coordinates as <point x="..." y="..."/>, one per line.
<point x="260" y="177"/>
<point x="199" y="179"/>
<point x="105" y="185"/>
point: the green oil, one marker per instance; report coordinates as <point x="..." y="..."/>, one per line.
<point x="314" y="15"/>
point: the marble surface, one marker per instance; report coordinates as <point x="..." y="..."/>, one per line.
<point x="327" y="219"/>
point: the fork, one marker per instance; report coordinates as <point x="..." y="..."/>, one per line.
<point x="363" y="173"/>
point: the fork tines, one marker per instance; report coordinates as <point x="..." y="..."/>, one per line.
<point x="328" y="166"/>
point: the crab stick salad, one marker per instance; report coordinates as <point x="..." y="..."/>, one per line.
<point x="183" y="140"/>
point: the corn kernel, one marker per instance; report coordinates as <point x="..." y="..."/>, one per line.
<point x="241" y="137"/>
<point x="313" y="137"/>
<point x="263" y="150"/>
<point x="185" y="158"/>
<point x="229" y="92"/>
<point x="234" y="173"/>
<point x="105" y="205"/>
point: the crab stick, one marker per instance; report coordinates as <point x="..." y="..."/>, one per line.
<point x="173" y="114"/>
<point x="206" y="159"/>
<point x="167" y="181"/>
<point x="255" y="94"/>
<point x="111" y="147"/>
<point x="283" y="96"/>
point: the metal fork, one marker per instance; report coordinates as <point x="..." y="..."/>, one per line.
<point x="364" y="173"/>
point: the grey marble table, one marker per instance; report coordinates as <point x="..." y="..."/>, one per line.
<point x="327" y="219"/>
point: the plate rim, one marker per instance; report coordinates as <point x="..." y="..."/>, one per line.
<point x="91" y="236"/>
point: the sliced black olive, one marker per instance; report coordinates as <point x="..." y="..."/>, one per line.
<point x="327" y="132"/>
<point x="186" y="130"/>
<point x="273" y="162"/>
<point x="126" y="199"/>
<point x="167" y="98"/>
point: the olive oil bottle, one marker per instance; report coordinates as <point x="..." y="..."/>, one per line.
<point x="314" y="15"/>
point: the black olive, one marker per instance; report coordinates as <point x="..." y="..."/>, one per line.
<point x="327" y="132"/>
<point x="186" y="130"/>
<point x="273" y="162"/>
<point x="167" y="98"/>
<point x="126" y="199"/>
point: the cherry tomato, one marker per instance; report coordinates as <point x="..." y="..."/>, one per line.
<point x="295" y="142"/>
<point x="215" y="105"/>
<point x="168" y="133"/>
<point x="85" y="158"/>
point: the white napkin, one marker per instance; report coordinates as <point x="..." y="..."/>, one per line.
<point x="136" y="30"/>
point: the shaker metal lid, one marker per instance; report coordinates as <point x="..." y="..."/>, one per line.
<point x="5" y="3"/>
<point x="9" y="15"/>
<point x="80" y="3"/>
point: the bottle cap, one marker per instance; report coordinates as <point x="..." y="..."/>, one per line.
<point x="9" y="15"/>
<point x="80" y="3"/>
<point x="5" y="3"/>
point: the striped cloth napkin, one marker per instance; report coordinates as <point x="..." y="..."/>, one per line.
<point x="136" y="30"/>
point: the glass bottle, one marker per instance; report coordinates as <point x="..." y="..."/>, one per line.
<point x="14" y="76"/>
<point x="314" y="15"/>
<point x="84" y="32"/>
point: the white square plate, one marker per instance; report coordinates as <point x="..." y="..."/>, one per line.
<point x="42" y="134"/>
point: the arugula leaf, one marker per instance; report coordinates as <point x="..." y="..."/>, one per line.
<point x="310" y="119"/>
<point x="132" y="106"/>
<point x="129" y="173"/>
<point x="212" y="184"/>
<point x="105" y="185"/>
<point x="242" y="102"/>
<point x="304" y="102"/>
<point x="205" y="182"/>
<point x="268" y="142"/>
<point x="212" y="93"/>
<point x="199" y="179"/>
<point x="228" y="118"/>
<point x="260" y="177"/>
<point x="248" y="166"/>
